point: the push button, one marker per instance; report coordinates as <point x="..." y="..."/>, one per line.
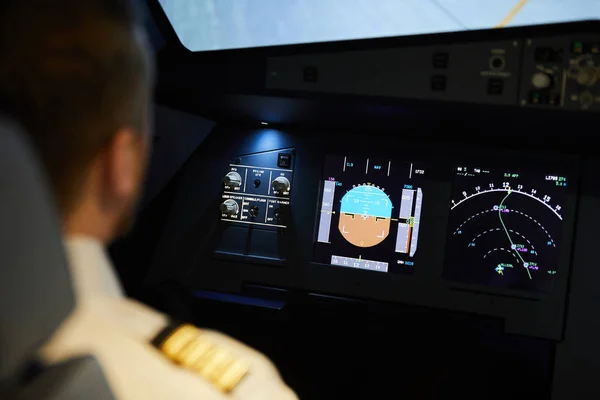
<point x="547" y="55"/>
<point x="495" y="86"/>
<point x="310" y="74"/>
<point x="440" y="60"/>
<point x="438" y="83"/>
<point x="284" y="160"/>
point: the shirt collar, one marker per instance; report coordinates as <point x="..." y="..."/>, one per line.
<point x="91" y="269"/>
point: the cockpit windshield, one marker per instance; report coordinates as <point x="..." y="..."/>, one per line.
<point x="204" y="25"/>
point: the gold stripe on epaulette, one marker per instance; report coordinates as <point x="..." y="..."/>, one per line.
<point x="191" y="349"/>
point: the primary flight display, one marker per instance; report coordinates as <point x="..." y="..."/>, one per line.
<point x="370" y="213"/>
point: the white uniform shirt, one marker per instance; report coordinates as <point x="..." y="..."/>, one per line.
<point x="118" y="332"/>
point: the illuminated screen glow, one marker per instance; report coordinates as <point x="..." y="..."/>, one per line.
<point x="204" y="25"/>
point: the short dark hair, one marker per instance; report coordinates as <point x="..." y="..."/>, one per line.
<point x="73" y="72"/>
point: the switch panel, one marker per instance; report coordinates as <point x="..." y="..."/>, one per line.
<point x="542" y="72"/>
<point x="562" y="72"/>
<point x="255" y="206"/>
<point x="260" y="186"/>
<point x="452" y="72"/>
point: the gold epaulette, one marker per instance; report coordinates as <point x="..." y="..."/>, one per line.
<point x="189" y="347"/>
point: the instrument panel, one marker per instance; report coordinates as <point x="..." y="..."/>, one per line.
<point x="477" y="227"/>
<point x="462" y="228"/>
<point x="504" y="227"/>
<point x="497" y="220"/>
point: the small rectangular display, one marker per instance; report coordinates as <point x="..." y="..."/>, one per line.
<point x="505" y="228"/>
<point x="369" y="213"/>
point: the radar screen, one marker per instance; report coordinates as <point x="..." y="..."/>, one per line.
<point x="505" y="227"/>
<point x="369" y="214"/>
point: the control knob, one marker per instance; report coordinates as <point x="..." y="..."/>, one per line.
<point x="586" y="99"/>
<point x="281" y="184"/>
<point x="232" y="179"/>
<point x="541" y="80"/>
<point x="254" y="210"/>
<point x="584" y="71"/>
<point x="587" y="76"/>
<point x="279" y="214"/>
<point x="230" y="207"/>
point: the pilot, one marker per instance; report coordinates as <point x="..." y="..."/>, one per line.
<point x="78" y="76"/>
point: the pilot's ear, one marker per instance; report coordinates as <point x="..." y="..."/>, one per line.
<point x="122" y="161"/>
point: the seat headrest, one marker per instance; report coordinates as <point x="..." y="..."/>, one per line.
<point x="36" y="293"/>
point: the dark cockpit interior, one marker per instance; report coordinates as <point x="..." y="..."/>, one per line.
<point x="410" y="216"/>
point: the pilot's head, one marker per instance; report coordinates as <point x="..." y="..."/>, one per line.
<point x="77" y="75"/>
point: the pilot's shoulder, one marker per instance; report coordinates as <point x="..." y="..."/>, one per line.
<point x="229" y="365"/>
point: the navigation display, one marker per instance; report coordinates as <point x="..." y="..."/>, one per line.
<point x="369" y="213"/>
<point x="505" y="227"/>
